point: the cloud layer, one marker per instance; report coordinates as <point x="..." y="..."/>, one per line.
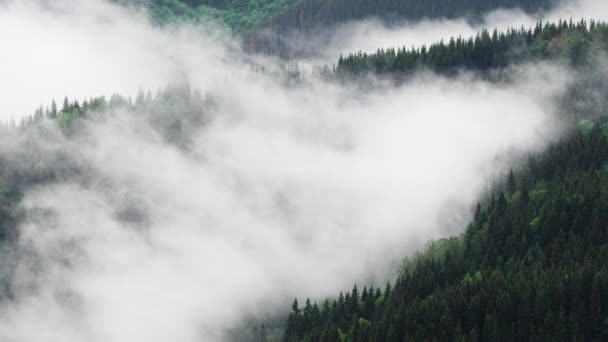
<point x="369" y="35"/>
<point x="286" y="191"/>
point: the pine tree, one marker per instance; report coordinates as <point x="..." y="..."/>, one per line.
<point x="66" y="105"/>
<point x="53" y="111"/>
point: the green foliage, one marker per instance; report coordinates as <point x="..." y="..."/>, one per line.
<point x="605" y="129"/>
<point x="586" y="127"/>
<point x="486" y="51"/>
<point x="470" y="280"/>
<point x="238" y="15"/>
<point x="535" y="223"/>
<point x="531" y="269"/>
<point x="537" y="194"/>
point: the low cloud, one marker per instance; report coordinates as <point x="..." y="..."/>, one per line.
<point x="285" y="191"/>
<point x="372" y="34"/>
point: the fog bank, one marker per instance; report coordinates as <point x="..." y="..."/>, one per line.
<point x="370" y="35"/>
<point x="286" y="191"/>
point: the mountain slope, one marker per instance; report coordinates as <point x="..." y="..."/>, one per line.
<point x="574" y="42"/>
<point x="530" y="266"/>
<point x="238" y="15"/>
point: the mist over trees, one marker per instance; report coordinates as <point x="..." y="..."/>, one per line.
<point x="530" y="266"/>
<point x="286" y="33"/>
<point x="566" y="40"/>
<point x="493" y="55"/>
<point x="176" y="112"/>
<point x="197" y="215"/>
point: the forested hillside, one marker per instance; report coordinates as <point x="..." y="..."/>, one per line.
<point x="531" y="266"/>
<point x="200" y="215"/>
<point x="281" y="26"/>
<point x="565" y="41"/>
<point x="532" y="263"/>
<point x="175" y="112"/>
<point x="238" y="15"/>
<point x="285" y="32"/>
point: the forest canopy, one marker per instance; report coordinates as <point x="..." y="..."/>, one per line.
<point x="454" y="189"/>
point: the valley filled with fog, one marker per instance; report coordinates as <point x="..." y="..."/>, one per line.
<point x="215" y="186"/>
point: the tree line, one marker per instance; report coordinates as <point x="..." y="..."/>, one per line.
<point x="531" y="266"/>
<point x="287" y="32"/>
<point x="237" y="15"/>
<point x="572" y="41"/>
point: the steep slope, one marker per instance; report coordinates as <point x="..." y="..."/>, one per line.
<point x="530" y="266"/>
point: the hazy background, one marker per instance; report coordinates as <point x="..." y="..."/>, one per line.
<point x="56" y="49"/>
<point x="370" y="35"/>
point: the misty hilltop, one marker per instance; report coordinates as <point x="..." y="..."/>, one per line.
<point x="303" y="170"/>
<point x="238" y="15"/>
